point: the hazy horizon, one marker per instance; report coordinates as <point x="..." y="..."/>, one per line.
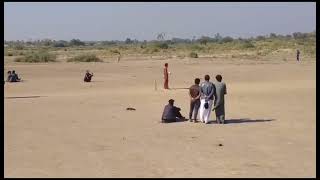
<point x="143" y="21"/>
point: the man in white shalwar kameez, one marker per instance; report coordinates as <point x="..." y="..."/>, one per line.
<point x="207" y="91"/>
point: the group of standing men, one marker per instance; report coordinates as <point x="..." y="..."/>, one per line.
<point x="206" y="95"/>
<point x="202" y="97"/>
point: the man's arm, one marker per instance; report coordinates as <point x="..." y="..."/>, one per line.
<point x="225" y="89"/>
<point x="198" y="95"/>
<point x="165" y="73"/>
<point x="211" y="93"/>
<point x="201" y="92"/>
<point x="163" y="113"/>
<point x="190" y="94"/>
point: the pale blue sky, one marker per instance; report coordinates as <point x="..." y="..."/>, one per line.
<point x="117" y="21"/>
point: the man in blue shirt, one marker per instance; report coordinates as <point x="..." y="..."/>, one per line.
<point x="207" y="91"/>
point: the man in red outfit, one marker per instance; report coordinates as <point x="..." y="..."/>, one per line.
<point x="166" y="76"/>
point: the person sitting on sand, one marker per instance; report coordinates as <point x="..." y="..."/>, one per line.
<point x="171" y="113"/>
<point x="14" y="77"/>
<point x="88" y="76"/>
<point x="9" y="76"/>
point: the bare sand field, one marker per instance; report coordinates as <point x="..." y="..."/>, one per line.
<point x="55" y="125"/>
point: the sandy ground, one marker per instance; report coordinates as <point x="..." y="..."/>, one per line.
<point x="66" y="128"/>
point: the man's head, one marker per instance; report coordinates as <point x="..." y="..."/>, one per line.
<point x="13" y="72"/>
<point x="171" y="101"/>
<point x="207" y="77"/>
<point x="9" y="72"/>
<point x="197" y="81"/>
<point x="218" y="78"/>
<point x="166" y="64"/>
<point x="87" y="71"/>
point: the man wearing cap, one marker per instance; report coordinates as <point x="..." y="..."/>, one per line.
<point x="171" y="113"/>
<point x="207" y="91"/>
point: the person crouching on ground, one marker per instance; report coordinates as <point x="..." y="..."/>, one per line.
<point x="88" y="76"/>
<point x="194" y="93"/>
<point x="171" y="113"/>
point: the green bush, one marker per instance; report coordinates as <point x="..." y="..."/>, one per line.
<point x="18" y="47"/>
<point x="85" y="58"/>
<point x="248" y="44"/>
<point x="114" y="51"/>
<point x="150" y="50"/>
<point x="226" y="39"/>
<point x="37" y="57"/>
<point x="196" y="47"/>
<point x="9" y="54"/>
<point x="76" y="42"/>
<point x="193" y="55"/>
<point x="162" y="45"/>
<point x="154" y="50"/>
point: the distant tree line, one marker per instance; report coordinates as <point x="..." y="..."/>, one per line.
<point x="160" y="41"/>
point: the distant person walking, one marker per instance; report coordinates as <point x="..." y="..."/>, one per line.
<point x="166" y="76"/>
<point x="119" y="56"/>
<point x="221" y="90"/>
<point x="194" y="93"/>
<point x="88" y="76"/>
<point x="298" y="55"/>
<point x="207" y="91"/>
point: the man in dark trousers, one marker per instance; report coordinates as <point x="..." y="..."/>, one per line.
<point x="194" y="93"/>
<point x="221" y="90"/>
<point x="88" y="76"/>
<point x="298" y="55"/>
<point x="171" y="113"/>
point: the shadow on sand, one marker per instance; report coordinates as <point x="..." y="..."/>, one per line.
<point x="18" y="97"/>
<point x="243" y="120"/>
<point x="182" y="120"/>
<point x="95" y="81"/>
<point x="177" y="88"/>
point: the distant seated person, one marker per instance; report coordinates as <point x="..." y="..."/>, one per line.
<point x="14" y="77"/>
<point x="171" y="113"/>
<point x="9" y="76"/>
<point x="88" y="76"/>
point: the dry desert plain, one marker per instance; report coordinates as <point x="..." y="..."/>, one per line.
<point x="55" y="125"/>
